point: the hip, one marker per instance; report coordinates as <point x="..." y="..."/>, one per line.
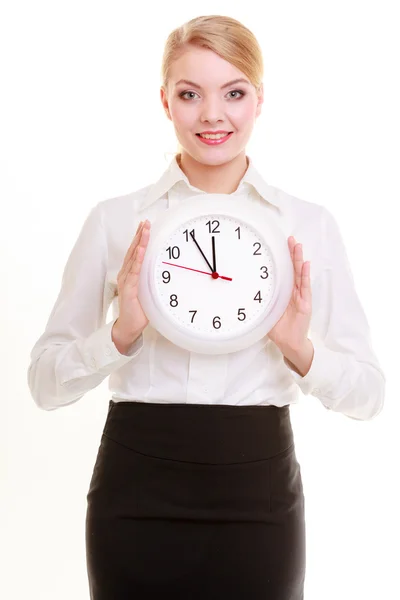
<point x="202" y="462"/>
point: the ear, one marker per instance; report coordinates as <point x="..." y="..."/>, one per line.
<point x="260" y="95"/>
<point x="164" y="102"/>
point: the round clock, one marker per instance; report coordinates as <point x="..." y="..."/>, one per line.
<point x="217" y="273"/>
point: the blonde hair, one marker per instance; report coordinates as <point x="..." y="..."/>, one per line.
<point x="225" y="36"/>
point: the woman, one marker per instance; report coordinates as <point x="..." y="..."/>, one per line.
<point x="196" y="491"/>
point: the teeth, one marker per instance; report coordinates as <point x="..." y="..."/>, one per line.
<point x="209" y="136"/>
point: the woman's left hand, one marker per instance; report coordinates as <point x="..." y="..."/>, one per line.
<point x="291" y="331"/>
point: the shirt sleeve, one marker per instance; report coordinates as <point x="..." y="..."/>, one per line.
<point x="76" y="352"/>
<point x="345" y="374"/>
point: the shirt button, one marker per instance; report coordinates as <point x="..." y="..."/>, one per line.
<point x="93" y="362"/>
<point x="206" y="390"/>
<point x="317" y="391"/>
<point x="108" y="351"/>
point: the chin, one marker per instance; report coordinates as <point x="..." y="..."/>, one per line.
<point x="214" y="156"/>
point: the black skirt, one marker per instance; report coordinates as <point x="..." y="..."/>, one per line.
<point x="191" y="501"/>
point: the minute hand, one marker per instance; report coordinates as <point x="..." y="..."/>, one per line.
<point x="204" y="256"/>
<point x="213" y="251"/>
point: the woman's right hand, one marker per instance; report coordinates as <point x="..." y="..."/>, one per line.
<point x="132" y="319"/>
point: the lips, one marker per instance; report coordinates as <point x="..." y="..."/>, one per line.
<point x="215" y="142"/>
<point x="214" y="133"/>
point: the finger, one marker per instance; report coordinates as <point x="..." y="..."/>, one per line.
<point x="292" y="243"/>
<point x="130" y="256"/>
<point x="133" y="245"/>
<point x="305" y="290"/>
<point x="132" y="277"/>
<point x="135" y="263"/>
<point x="134" y="267"/>
<point x="141" y="235"/>
<point x="144" y="240"/>
<point x="145" y="235"/>
<point x="298" y="264"/>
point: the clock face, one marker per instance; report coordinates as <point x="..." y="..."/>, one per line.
<point x="214" y="300"/>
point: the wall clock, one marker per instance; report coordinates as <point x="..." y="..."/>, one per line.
<point x="217" y="273"/>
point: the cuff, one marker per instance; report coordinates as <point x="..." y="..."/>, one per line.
<point x="101" y="353"/>
<point x="326" y="368"/>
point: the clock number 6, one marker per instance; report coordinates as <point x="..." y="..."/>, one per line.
<point x="215" y="323"/>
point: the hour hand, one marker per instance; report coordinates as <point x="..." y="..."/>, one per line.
<point x="204" y="256"/>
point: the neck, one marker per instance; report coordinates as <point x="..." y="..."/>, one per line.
<point x="214" y="179"/>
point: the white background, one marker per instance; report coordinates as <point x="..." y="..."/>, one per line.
<point x="82" y="121"/>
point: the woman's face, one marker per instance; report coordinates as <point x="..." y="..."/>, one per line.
<point x="208" y="104"/>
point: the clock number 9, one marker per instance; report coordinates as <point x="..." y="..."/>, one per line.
<point x="166" y="276"/>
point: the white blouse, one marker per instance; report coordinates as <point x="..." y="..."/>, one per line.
<point x="76" y="353"/>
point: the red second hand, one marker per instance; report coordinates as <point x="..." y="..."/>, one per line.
<point x="213" y="275"/>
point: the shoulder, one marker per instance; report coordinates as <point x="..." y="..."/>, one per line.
<point x="311" y="223"/>
<point x="120" y="216"/>
<point x="299" y="217"/>
<point x="297" y="206"/>
<point x="126" y="205"/>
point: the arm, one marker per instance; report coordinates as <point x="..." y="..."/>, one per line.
<point x="77" y="350"/>
<point x="300" y="360"/>
<point x="342" y="370"/>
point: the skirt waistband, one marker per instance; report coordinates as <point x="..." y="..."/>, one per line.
<point x="200" y="433"/>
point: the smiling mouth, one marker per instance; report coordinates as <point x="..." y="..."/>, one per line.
<point x="227" y="133"/>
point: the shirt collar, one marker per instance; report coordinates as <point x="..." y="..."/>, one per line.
<point x="174" y="174"/>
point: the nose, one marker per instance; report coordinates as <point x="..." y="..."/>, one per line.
<point x="212" y="111"/>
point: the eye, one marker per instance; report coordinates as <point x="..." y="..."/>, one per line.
<point x="183" y="94"/>
<point x="236" y="92"/>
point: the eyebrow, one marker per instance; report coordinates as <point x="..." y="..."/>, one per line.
<point x="241" y="80"/>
